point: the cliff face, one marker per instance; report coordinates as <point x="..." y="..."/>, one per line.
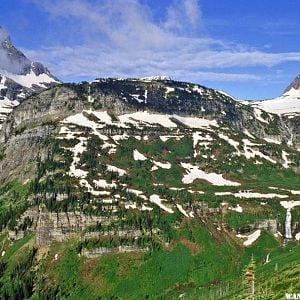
<point x="33" y="122"/>
<point x="37" y="119"/>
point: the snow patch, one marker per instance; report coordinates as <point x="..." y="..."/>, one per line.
<point x="193" y="173"/>
<point x="251" y="238"/>
<point x="180" y="208"/>
<point x="250" y="194"/>
<point x="289" y="204"/>
<point x="238" y="208"/>
<point x="258" y="114"/>
<point x="158" y="201"/>
<point x="138" y="155"/>
<point x="121" y="172"/>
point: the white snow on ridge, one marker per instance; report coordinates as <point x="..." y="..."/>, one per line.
<point x="193" y="173"/>
<point x="194" y="122"/>
<point x="155" y="78"/>
<point x="146" y="117"/>
<point x="198" y="89"/>
<point x="81" y="120"/>
<point x="137" y="119"/>
<point x="30" y="79"/>
<point x="226" y="94"/>
<point x="289" y="102"/>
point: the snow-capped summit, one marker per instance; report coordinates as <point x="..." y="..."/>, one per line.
<point x="16" y="66"/>
<point x="287" y="103"/>
<point x="157" y="78"/>
<point x="294" y="85"/>
<point x="19" y="76"/>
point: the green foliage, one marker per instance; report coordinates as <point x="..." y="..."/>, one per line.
<point x="240" y="221"/>
<point x="13" y="202"/>
<point x="17" y="277"/>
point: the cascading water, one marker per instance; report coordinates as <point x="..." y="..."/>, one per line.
<point x="288" y="224"/>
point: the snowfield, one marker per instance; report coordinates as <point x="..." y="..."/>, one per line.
<point x="30" y="79"/>
<point x="289" y="102"/>
<point x="193" y="173"/>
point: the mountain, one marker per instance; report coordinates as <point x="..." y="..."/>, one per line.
<point x="287" y="104"/>
<point x="146" y="189"/>
<point x="19" y="77"/>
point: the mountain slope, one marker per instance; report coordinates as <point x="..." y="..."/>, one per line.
<point x="118" y="182"/>
<point x="287" y="104"/>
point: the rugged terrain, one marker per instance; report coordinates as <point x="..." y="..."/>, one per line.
<point x="146" y="188"/>
<point x="19" y="76"/>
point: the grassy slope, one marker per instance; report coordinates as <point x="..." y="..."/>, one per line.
<point x="199" y="262"/>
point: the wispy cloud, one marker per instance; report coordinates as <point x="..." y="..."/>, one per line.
<point x="122" y="38"/>
<point x="183" y="16"/>
<point x="8" y="62"/>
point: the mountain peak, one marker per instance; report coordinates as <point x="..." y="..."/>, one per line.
<point x="295" y="84"/>
<point x="4" y="36"/>
<point x="13" y="61"/>
<point x="19" y="76"/>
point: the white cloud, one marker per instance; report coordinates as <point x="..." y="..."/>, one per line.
<point x="183" y="16"/>
<point x="122" y="38"/>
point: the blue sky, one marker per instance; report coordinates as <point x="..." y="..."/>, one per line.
<point x="249" y="49"/>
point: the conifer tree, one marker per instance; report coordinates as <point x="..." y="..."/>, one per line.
<point x="249" y="281"/>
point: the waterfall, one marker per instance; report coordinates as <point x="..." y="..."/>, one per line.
<point x="288" y="224"/>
